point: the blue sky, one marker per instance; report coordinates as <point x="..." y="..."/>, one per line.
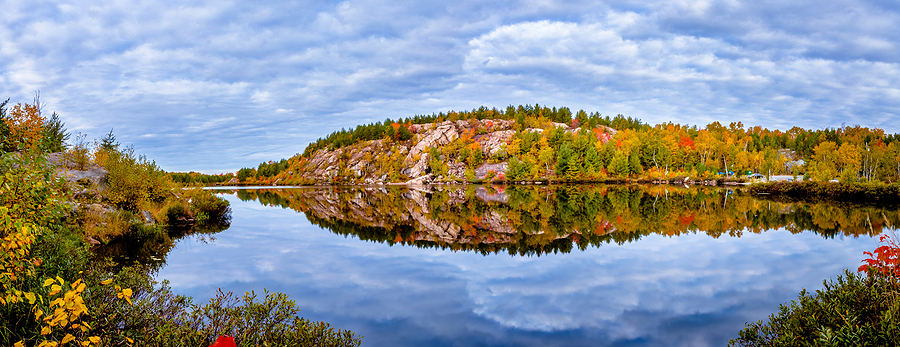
<point x="214" y="86"/>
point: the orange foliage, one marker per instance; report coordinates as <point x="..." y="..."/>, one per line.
<point x="25" y="124"/>
<point x="686" y="142"/>
<point x="686" y="220"/>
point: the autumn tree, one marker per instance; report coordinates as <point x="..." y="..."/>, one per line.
<point x="25" y="125"/>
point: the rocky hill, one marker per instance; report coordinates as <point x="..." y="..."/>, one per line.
<point x="414" y="162"/>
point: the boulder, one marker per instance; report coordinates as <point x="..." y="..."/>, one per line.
<point x="95" y="176"/>
<point x="482" y="171"/>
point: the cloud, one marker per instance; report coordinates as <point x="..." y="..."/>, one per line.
<point x="133" y="65"/>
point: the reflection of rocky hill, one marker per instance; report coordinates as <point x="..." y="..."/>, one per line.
<point x="412" y="209"/>
<point x="539" y="219"/>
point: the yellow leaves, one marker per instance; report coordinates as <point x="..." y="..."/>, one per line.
<point x="46" y="330"/>
<point x="68" y="338"/>
<point x="48" y="282"/>
<point x="124" y="294"/>
<point x="106" y="282"/>
<point x="30" y="297"/>
<point x="94" y="339"/>
<point x="55" y="289"/>
<point x="19" y="344"/>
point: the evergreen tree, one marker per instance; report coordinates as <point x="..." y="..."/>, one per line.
<point x="109" y="143"/>
<point x="4" y="128"/>
<point x="54" y="134"/>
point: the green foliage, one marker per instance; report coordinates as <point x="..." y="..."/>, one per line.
<point x="866" y="192"/>
<point x="619" y="166"/>
<point x="582" y="147"/>
<point x="108" y="142"/>
<point x="79" y="155"/>
<point x="4" y="129"/>
<point x="134" y="181"/>
<point x="854" y="310"/>
<point x="54" y="135"/>
<point x="160" y="318"/>
<point x="214" y="209"/>
<point x="196" y="177"/>
<point x="518" y="170"/>
<point x="271" y="168"/>
<point x="437" y="166"/>
<point x="244" y="174"/>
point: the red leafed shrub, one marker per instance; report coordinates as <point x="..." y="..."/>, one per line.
<point x="886" y="259"/>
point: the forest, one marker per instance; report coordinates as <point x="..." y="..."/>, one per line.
<point x="559" y="145"/>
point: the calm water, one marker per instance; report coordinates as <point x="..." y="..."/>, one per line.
<point x="536" y="267"/>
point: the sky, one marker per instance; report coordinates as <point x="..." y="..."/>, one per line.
<point x="214" y="86"/>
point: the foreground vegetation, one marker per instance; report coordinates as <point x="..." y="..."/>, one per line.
<point x="54" y="289"/>
<point x="853" y="310"/>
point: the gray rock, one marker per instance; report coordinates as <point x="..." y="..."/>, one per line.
<point x="482" y="171"/>
<point x="148" y="218"/>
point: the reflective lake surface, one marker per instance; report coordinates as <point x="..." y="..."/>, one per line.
<point x="526" y="266"/>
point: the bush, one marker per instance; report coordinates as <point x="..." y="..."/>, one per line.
<point x="854" y="310"/>
<point x="208" y="208"/>
<point x="134" y="181"/>
<point x="169" y="319"/>
<point x="174" y="214"/>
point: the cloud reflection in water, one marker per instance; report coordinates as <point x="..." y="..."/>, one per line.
<point x="659" y="291"/>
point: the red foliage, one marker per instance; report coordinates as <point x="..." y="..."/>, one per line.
<point x="686" y="142"/>
<point x="686" y="220"/>
<point x="886" y="259"/>
<point x="224" y="341"/>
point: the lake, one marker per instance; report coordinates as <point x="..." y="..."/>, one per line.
<point x="526" y="265"/>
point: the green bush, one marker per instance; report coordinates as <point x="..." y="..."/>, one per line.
<point x="854" y="310"/>
<point x="174" y="213"/>
<point x="134" y="181"/>
<point x="209" y="209"/>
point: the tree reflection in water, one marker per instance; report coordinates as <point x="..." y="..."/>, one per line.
<point x="533" y="220"/>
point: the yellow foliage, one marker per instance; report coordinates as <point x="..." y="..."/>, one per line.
<point x="25" y="124"/>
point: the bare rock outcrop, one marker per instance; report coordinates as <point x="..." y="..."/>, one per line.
<point x="493" y="142"/>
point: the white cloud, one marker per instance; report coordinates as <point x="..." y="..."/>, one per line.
<point x="128" y="64"/>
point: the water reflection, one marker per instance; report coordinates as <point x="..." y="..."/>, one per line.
<point x="632" y="285"/>
<point x="528" y="220"/>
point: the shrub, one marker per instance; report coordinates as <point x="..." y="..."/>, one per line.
<point x="134" y="181"/>
<point x="213" y="209"/>
<point x="854" y="310"/>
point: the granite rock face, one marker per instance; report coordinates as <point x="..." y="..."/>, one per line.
<point x="366" y="162"/>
